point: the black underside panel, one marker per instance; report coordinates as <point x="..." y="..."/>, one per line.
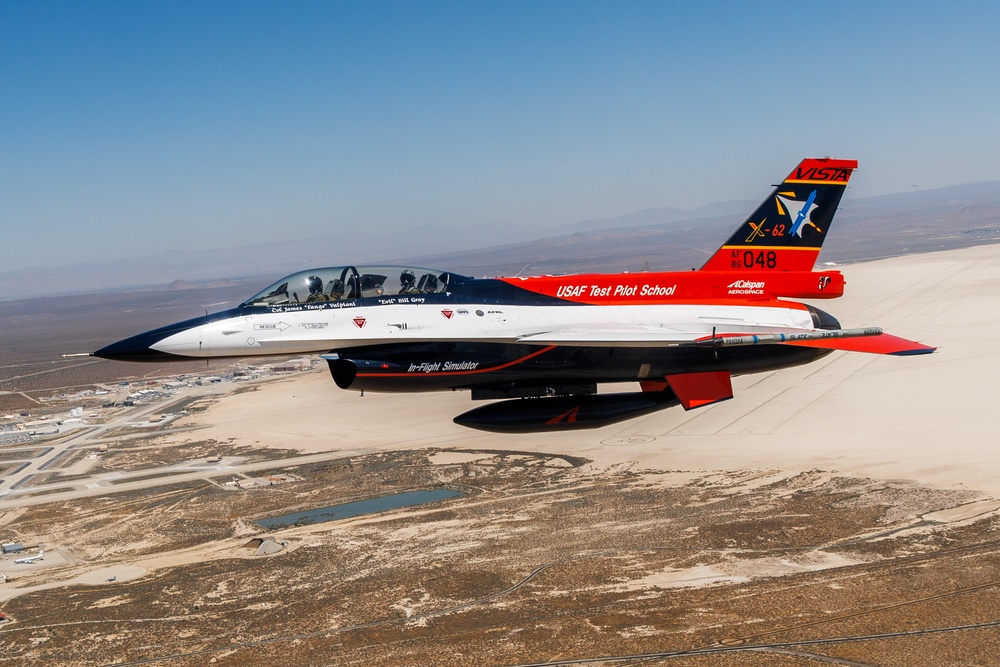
<point x="507" y="368"/>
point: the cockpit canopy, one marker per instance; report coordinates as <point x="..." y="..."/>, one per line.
<point x="337" y="283"/>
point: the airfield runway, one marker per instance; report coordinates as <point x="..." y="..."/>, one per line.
<point x="931" y="419"/>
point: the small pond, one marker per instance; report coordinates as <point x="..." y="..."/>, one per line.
<point x="358" y="508"/>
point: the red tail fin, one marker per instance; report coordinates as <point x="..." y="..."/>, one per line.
<point x="786" y="231"/>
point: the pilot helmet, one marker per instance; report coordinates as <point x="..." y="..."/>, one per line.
<point x="407" y="279"/>
<point x="315" y="284"/>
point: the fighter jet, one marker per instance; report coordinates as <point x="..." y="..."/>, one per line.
<point x="543" y="344"/>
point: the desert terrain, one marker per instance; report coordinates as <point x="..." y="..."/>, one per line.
<point x="844" y="512"/>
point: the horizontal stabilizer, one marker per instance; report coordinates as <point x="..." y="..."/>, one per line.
<point x="881" y="344"/>
<point x="869" y="339"/>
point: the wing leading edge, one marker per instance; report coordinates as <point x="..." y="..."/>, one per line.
<point x="871" y="339"/>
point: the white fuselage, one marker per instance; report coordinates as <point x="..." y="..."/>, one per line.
<point x="313" y="329"/>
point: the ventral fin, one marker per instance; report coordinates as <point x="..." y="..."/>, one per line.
<point x="697" y="390"/>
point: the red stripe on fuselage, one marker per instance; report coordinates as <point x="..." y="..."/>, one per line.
<point x="686" y="288"/>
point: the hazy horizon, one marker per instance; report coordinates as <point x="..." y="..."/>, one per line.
<point x="658" y="239"/>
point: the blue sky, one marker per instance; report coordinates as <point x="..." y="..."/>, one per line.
<point x="129" y="128"/>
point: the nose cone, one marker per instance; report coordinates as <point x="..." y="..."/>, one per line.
<point x="137" y="348"/>
<point x="149" y="346"/>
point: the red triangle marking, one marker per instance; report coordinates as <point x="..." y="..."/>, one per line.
<point x="569" y="416"/>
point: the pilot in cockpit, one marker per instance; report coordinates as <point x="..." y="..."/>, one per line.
<point x="428" y="283"/>
<point x="407" y="282"/>
<point x="336" y="289"/>
<point x="315" y="284"/>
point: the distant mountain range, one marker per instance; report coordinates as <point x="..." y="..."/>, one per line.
<point x="657" y="239"/>
<point x="671" y="239"/>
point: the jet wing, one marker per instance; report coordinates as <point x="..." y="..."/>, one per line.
<point x="870" y="339"/>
